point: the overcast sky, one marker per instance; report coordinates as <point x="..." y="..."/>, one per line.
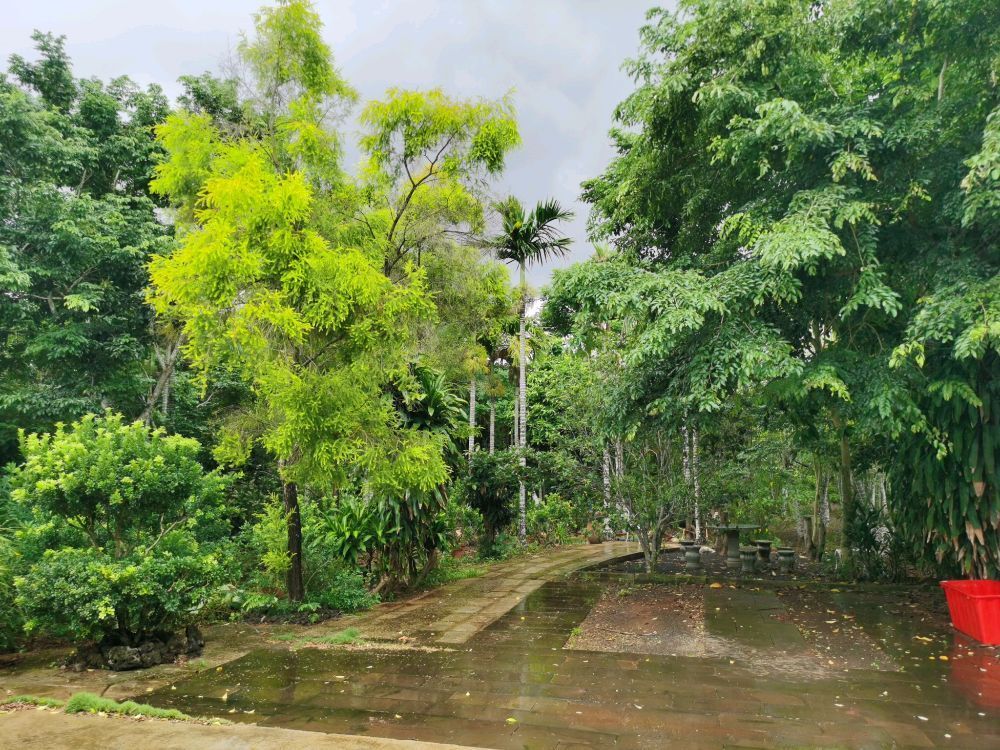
<point x="562" y="58"/>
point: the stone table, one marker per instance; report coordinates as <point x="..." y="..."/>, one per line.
<point x="732" y="532"/>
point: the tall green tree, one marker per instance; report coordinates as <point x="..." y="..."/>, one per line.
<point x="798" y="186"/>
<point x="474" y="301"/>
<point x="307" y="281"/>
<point x="317" y="330"/>
<point x="77" y="227"/>
<point x="526" y="238"/>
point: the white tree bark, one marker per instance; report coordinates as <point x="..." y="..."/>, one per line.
<point x="686" y="453"/>
<point x="472" y="416"/>
<point x="167" y="358"/>
<point x="493" y="420"/>
<point x="515" y="418"/>
<point x="696" y="479"/>
<point x="606" y="476"/>
<point x="523" y="409"/>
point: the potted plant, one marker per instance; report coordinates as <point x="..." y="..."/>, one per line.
<point x="595" y="533"/>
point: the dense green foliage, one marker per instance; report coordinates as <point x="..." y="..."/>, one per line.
<point x="127" y="518"/>
<point x="491" y="488"/>
<point x="77" y="227"/>
<point x="804" y="208"/>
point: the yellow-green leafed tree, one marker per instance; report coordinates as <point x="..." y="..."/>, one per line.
<point x="315" y="326"/>
<point x="422" y="183"/>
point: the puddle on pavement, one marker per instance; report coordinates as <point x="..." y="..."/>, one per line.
<point x="514" y="685"/>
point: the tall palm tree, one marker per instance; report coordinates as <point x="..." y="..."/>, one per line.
<point x="526" y="238"/>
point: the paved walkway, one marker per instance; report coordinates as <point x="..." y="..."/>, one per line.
<point x="490" y="663"/>
<point x="452" y="614"/>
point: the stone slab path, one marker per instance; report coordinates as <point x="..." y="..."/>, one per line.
<point x="450" y="615"/>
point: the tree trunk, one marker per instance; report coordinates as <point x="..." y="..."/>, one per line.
<point x="515" y="418"/>
<point x="472" y="416"/>
<point x="686" y="453"/>
<point x="493" y="419"/>
<point x="821" y="514"/>
<point x="606" y="476"/>
<point x="167" y="359"/>
<point x="847" y="500"/>
<point x="294" y="580"/>
<point x="815" y="520"/>
<point x="696" y="479"/>
<point x="522" y="388"/>
<point x="824" y="519"/>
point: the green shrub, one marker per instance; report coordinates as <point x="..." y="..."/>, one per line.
<point x="553" y="521"/>
<point x="491" y="487"/>
<point x="558" y="472"/>
<point x="331" y="581"/>
<point x="502" y="546"/>
<point x="11" y="624"/>
<point x="352" y="529"/>
<point x="345" y="590"/>
<point x="84" y="594"/>
<point x="464" y="523"/>
<point x="136" y="518"/>
<point x="265" y="542"/>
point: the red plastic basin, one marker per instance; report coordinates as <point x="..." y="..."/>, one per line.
<point x="975" y="608"/>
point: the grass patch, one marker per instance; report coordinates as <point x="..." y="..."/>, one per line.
<point x="452" y="569"/>
<point x="89" y="703"/>
<point x="350" y="635"/>
<point x="343" y="638"/>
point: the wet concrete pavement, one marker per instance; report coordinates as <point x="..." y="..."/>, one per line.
<point x="514" y="685"/>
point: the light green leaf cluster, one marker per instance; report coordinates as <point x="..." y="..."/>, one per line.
<point x="319" y="331"/>
<point x="426" y="158"/>
<point x="289" y="50"/>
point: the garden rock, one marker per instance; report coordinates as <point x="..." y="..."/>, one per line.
<point x="161" y="649"/>
<point x="121" y="658"/>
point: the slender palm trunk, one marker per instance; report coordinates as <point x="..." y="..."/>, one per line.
<point x="472" y="416"/>
<point x="696" y="480"/>
<point x="515" y="418"/>
<point x="686" y="462"/>
<point x="821" y="506"/>
<point x="493" y="420"/>
<point x="606" y="477"/>
<point x="522" y="388"/>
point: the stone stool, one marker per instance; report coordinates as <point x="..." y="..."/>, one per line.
<point x="692" y="555"/>
<point x="748" y="559"/>
<point x="763" y="550"/>
<point x="786" y="559"/>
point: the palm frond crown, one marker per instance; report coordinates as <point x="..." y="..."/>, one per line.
<point x="530" y="237"/>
